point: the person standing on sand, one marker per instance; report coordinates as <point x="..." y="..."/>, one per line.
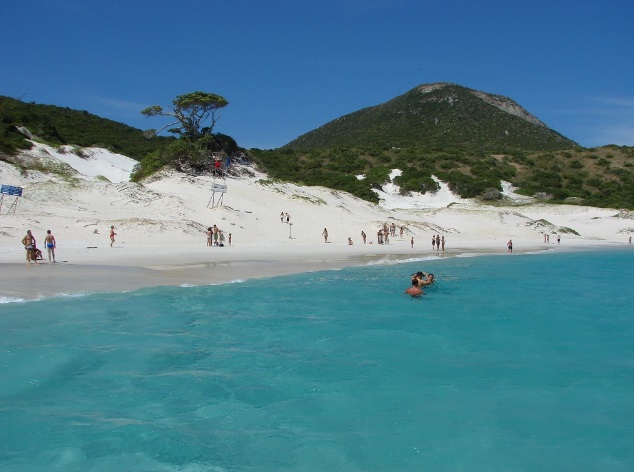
<point x="509" y="245"/>
<point x="363" y="236"/>
<point x="412" y="242"/>
<point x="325" y="235"/>
<point x="28" y="241"/>
<point x="282" y="217"/>
<point x="229" y="239"/>
<point x="209" y="236"/>
<point x="433" y="242"/>
<point x="112" y="235"/>
<point x="49" y="242"/>
<point x="442" y="242"/>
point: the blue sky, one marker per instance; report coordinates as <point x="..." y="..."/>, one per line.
<point x="287" y="67"/>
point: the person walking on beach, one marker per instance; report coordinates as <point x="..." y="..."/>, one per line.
<point x="112" y="235"/>
<point x="325" y="235"/>
<point x="412" y="242"/>
<point x="433" y="242"/>
<point x="363" y="236"/>
<point x="442" y="243"/>
<point x="49" y="242"/>
<point x="509" y="245"/>
<point x="229" y="239"/>
<point x="28" y="241"/>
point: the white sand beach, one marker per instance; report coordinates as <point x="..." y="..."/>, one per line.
<point x="161" y="226"/>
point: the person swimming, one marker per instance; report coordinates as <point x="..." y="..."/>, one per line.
<point x="423" y="278"/>
<point x="429" y="279"/>
<point x="414" y="290"/>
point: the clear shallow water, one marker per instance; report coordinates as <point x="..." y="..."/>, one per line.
<point x="509" y="363"/>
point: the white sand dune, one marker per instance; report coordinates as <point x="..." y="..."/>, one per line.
<point x="161" y="223"/>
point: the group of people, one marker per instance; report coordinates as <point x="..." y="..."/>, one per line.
<point x="419" y="280"/>
<point x="216" y="237"/>
<point x="438" y="242"/>
<point x="33" y="254"/>
<point x="384" y="234"/>
<point x="285" y="218"/>
<point x="547" y="238"/>
<point x="388" y="230"/>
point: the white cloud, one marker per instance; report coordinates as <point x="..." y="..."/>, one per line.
<point x="624" y="102"/>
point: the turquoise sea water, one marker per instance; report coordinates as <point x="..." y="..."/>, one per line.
<point x="510" y="363"/>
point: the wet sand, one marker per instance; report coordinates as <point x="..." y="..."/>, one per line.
<point x="35" y="281"/>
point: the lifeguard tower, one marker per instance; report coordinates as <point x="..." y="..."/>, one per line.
<point x="10" y="191"/>
<point x="219" y="185"/>
<point x="217" y="188"/>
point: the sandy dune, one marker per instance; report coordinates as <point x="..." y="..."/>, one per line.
<point x="161" y="226"/>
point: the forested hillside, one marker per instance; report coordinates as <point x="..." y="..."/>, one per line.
<point x="59" y="125"/>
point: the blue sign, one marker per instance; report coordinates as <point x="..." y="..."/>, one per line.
<point x="10" y="190"/>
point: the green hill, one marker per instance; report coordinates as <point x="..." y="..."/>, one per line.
<point x="471" y="140"/>
<point x="58" y="125"/>
<point x="439" y="116"/>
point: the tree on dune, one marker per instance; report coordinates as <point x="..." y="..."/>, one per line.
<point x="191" y="111"/>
